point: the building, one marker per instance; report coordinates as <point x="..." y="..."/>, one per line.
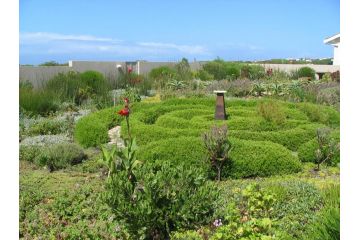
<point x="335" y="42"/>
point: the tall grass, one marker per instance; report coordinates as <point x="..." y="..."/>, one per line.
<point x="38" y="102"/>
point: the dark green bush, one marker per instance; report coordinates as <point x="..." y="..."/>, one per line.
<point x="169" y="197"/>
<point x="306" y="72"/>
<point x="92" y="130"/>
<point x="37" y="101"/>
<point x="252" y="159"/>
<point x="59" y="156"/>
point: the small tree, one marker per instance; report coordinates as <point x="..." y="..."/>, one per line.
<point x="218" y="147"/>
<point x="327" y="147"/>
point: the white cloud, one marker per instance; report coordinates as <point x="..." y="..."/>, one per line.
<point x="189" y="49"/>
<point x="40" y="37"/>
<point x="54" y="43"/>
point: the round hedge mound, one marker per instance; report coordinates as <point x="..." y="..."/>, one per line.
<point x="172" y="130"/>
<point x="92" y="130"/>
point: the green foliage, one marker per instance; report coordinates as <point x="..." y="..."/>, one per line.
<point x="161" y="75"/>
<point x="186" y="235"/>
<point x="189" y="151"/>
<point x="78" y="87"/>
<point x="164" y="199"/>
<point x="92" y="130"/>
<point x="48" y="127"/>
<point x="306" y="152"/>
<point x="306" y="72"/>
<point x="248" y="218"/>
<point x="271" y="111"/>
<point x="295" y="206"/>
<point x="317" y="113"/>
<point x="218" y="148"/>
<point x="252" y="159"/>
<point x="53" y="63"/>
<point x="204" y="75"/>
<point x="216" y="68"/>
<point x="28" y="153"/>
<point x="327" y="147"/>
<point x="59" y="156"/>
<point x="326" y="225"/>
<point x="37" y="101"/>
<point x="64" y="205"/>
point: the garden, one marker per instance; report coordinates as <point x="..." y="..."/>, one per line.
<point x="170" y="170"/>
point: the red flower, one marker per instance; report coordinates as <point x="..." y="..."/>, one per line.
<point x="124" y="112"/>
<point x="126" y="100"/>
<point x="129" y="70"/>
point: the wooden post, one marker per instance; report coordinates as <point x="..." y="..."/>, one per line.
<point x="220" y="106"/>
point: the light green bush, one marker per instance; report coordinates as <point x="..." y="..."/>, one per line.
<point x="92" y="130"/>
<point x="252" y="159"/>
<point x="181" y="150"/>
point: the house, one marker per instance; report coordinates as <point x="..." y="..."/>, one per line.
<point x="335" y="42"/>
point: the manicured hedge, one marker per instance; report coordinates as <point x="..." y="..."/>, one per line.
<point x="260" y="158"/>
<point x="306" y="152"/>
<point x="291" y="138"/>
<point x="187" y="150"/>
<point x="92" y="130"/>
<point x="248" y="158"/>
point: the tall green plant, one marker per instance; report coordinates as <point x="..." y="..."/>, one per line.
<point x="218" y="147"/>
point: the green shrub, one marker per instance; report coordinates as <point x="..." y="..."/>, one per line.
<point x="252" y="159"/>
<point x="306" y="152"/>
<point x="92" y="130"/>
<point x="37" y="101"/>
<point x="167" y="198"/>
<point x="59" y="156"/>
<point x="204" y="75"/>
<point x="182" y="150"/>
<point x="306" y="72"/>
<point x="29" y="153"/>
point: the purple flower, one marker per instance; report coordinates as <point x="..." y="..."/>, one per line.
<point x="217" y="222"/>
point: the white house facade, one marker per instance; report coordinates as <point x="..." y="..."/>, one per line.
<point x="335" y="42"/>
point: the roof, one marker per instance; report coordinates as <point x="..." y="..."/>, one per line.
<point x="335" y="39"/>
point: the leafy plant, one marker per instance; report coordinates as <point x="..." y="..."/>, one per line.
<point x="327" y="147"/>
<point x="306" y="72"/>
<point x="162" y="200"/>
<point x="218" y="147"/>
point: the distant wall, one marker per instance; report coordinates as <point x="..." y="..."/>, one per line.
<point x="112" y="70"/>
<point x="291" y="67"/>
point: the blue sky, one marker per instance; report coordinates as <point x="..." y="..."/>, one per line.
<point x="169" y="30"/>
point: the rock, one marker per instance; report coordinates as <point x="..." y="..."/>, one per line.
<point x="115" y="138"/>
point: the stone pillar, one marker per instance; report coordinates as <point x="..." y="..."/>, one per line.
<point x="220" y="106"/>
